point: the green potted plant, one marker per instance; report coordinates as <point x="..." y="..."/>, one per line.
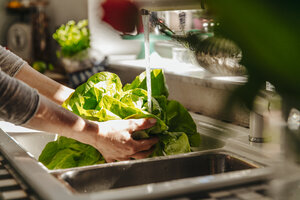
<point x="74" y="41"/>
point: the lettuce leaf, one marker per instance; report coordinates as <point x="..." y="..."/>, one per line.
<point x="102" y="98"/>
<point x="66" y="153"/>
<point x="179" y="120"/>
<point x="158" y="83"/>
<point x="175" y="143"/>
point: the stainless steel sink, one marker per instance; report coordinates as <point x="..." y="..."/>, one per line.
<point x="33" y="142"/>
<point x="154" y="171"/>
<point x="217" y="162"/>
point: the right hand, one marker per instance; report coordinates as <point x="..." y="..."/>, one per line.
<point x="115" y="143"/>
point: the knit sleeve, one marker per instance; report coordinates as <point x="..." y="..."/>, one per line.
<point x="18" y="101"/>
<point x="9" y="62"/>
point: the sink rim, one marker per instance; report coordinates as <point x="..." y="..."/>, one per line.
<point x="184" y="185"/>
<point x="63" y="174"/>
<point x="224" y="151"/>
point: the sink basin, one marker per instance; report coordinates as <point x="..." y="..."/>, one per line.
<point x="207" y="159"/>
<point x="125" y="174"/>
<point x="26" y="141"/>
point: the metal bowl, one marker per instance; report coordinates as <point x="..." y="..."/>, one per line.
<point x="221" y="65"/>
<point x="220" y="56"/>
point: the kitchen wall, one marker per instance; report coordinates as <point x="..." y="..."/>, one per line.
<point x="6" y="19"/>
<point x="59" y="12"/>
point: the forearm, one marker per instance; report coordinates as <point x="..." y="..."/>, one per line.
<point x="18" y="102"/>
<point x="46" y="86"/>
<point x="52" y="118"/>
<point x="112" y="138"/>
<point x="22" y="105"/>
<point x="14" y="66"/>
<point x="9" y="62"/>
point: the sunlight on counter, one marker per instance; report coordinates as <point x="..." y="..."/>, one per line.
<point x="168" y="65"/>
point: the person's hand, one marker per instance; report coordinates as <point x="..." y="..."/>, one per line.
<point x="114" y="139"/>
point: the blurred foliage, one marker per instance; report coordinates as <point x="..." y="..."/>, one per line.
<point x="41" y="66"/>
<point x="72" y="38"/>
<point x="268" y="34"/>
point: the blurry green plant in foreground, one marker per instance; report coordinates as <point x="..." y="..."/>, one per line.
<point x="268" y="34"/>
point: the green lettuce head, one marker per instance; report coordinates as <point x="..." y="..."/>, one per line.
<point x="102" y="98"/>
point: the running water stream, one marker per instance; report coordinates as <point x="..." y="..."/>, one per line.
<point x="145" y="19"/>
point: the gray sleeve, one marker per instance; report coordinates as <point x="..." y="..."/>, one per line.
<point x="9" y="62"/>
<point x="18" y="101"/>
